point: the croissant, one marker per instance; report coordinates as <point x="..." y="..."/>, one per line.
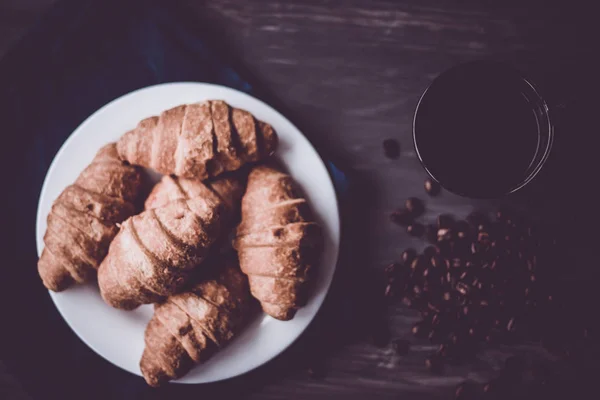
<point x="198" y="141"/>
<point x="189" y="327"/>
<point x="83" y="220"/>
<point x="155" y="252"/>
<point x="277" y="241"/>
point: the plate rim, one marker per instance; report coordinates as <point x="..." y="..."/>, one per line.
<point x="337" y="226"/>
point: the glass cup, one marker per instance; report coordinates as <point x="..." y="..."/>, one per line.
<point x="494" y="84"/>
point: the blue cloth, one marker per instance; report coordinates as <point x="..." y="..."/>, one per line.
<point x="81" y="55"/>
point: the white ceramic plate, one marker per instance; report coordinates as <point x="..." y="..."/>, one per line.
<point x="118" y="335"/>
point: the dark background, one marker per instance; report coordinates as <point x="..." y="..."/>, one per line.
<point x="349" y="74"/>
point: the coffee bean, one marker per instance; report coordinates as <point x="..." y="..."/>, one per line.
<point x="420" y="329"/>
<point x="511" y="326"/>
<point x="391" y="271"/>
<point x="431" y="233"/>
<point x="463" y="288"/>
<point x="493" y="387"/>
<point x="483" y="237"/>
<point x="401" y="346"/>
<point x="445" y="221"/>
<point x="427" y="272"/>
<point x="444" y="234"/>
<point x="417" y="290"/>
<point x="391" y="148"/>
<point x="465" y="391"/>
<point x="473" y="333"/>
<point x="419" y="263"/>
<point x="443" y="351"/>
<point x="434" y="364"/>
<point x="456" y="263"/>
<point x="436" y="319"/>
<point x="415" y="229"/>
<point x="389" y="292"/>
<point x="438" y="262"/>
<point x="504" y="214"/>
<point x="435" y="335"/>
<point x="432" y="310"/>
<point x="432" y="187"/>
<point x="462" y="229"/>
<point x="402" y="217"/>
<point x="415" y="206"/>
<point x="456" y="339"/>
<point x="474" y="248"/>
<point x="408" y="256"/>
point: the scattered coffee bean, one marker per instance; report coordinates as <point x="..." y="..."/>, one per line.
<point x="465" y="391"/>
<point x="438" y="262"/>
<point x="473" y="333"/>
<point x="434" y="364"/>
<point x="401" y="346"/>
<point x="415" y="229"/>
<point x="430" y="251"/>
<point x="436" y="335"/>
<point x="511" y="326"/>
<point x="389" y="292"/>
<point x="504" y="214"/>
<point x="462" y="229"/>
<point x="445" y="221"/>
<point x="444" y="234"/>
<point x="391" y="148"/>
<point x="420" y="329"/>
<point x="492" y="387"/>
<point x="402" y="217"/>
<point x="463" y="288"/>
<point x="408" y="256"/>
<point x="431" y="233"/>
<point x="415" y="206"/>
<point x="391" y="271"/>
<point x="418" y="263"/>
<point x="432" y="187"/>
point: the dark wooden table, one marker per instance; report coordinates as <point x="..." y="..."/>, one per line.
<point x="349" y="74"/>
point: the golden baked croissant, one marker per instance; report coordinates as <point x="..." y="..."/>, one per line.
<point x="83" y="219"/>
<point x="189" y="327"/>
<point x="198" y="141"/>
<point x="277" y="241"/>
<point x="155" y="252"/>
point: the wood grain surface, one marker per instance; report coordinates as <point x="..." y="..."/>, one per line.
<point x="349" y="74"/>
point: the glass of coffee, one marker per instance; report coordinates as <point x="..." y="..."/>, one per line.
<point x="482" y="130"/>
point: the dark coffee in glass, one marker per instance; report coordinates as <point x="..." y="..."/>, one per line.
<point x="482" y="130"/>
